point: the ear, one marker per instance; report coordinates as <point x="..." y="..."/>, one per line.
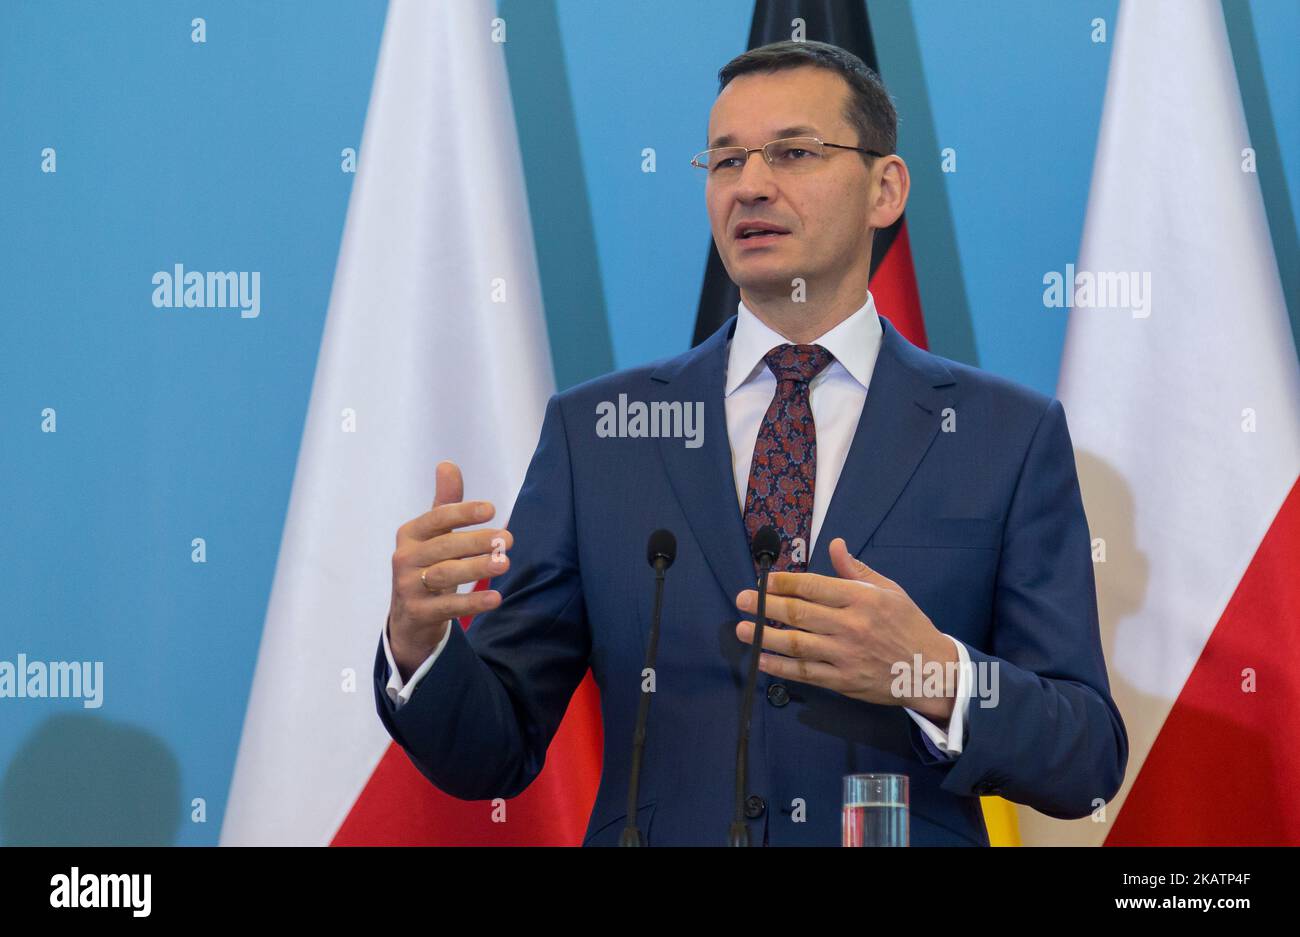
<point x="891" y="191"/>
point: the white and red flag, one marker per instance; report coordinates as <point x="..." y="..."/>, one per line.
<point x="1182" y="390"/>
<point x="434" y="348"/>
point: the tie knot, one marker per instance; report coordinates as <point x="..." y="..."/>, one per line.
<point x="797" y="362"/>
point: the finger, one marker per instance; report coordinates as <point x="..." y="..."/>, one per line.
<point x="800" y="670"/>
<point x="448" y="484"/>
<point x="824" y="590"/>
<point x="460" y="544"/>
<point x="447" y="517"/>
<point x="439" y="608"/>
<point x="797" y="613"/>
<point x="849" y="566"/>
<point x="450" y="574"/>
<point x="789" y="641"/>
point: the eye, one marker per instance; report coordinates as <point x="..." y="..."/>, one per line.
<point x="791" y="152"/>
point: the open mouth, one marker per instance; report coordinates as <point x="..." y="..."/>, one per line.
<point x="758" y="232"/>
<point x="752" y="240"/>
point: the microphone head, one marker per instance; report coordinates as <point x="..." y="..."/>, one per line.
<point x="662" y="547"/>
<point x="766" y="544"/>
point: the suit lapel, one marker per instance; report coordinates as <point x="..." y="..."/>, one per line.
<point x="702" y="479"/>
<point x="900" y="418"/>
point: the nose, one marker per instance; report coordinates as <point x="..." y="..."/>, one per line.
<point x="756" y="180"/>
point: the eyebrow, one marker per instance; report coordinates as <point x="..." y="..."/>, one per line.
<point x="728" y="140"/>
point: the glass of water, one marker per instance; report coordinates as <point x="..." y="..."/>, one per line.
<point x="875" y="810"/>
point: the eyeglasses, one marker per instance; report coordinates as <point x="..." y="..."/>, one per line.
<point x="791" y="155"/>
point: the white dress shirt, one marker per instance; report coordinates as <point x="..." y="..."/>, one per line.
<point x="836" y="397"/>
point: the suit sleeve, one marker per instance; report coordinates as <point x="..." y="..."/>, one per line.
<point x="1042" y="727"/>
<point x="479" y="723"/>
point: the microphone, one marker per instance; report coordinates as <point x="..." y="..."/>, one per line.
<point x="765" y="548"/>
<point x="660" y="552"/>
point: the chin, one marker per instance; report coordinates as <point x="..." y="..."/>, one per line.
<point x="763" y="281"/>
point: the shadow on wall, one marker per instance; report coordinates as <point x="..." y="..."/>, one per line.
<point x="1123" y="581"/>
<point x="1219" y="810"/>
<point x="87" y="781"/>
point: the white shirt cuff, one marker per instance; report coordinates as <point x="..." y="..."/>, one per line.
<point x="949" y="744"/>
<point x="397" y="693"/>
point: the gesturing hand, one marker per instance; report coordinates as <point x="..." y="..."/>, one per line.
<point x="847" y="633"/>
<point x="432" y="546"/>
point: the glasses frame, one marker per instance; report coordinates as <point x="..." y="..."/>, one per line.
<point x="695" y="161"/>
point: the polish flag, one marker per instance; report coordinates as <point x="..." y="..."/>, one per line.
<point x="434" y="348"/>
<point x="1184" y="408"/>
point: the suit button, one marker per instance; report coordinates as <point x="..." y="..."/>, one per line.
<point x="778" y="695"/>
<point x="754" y="806"/>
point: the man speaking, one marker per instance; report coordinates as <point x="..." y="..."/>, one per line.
<point x="932" y="607"/>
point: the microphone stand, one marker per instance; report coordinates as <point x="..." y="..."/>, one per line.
<point x="738" y="835"/>
<point x="661" y="559"/>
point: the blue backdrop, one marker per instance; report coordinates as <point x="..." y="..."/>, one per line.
<point x="225" y="155"/>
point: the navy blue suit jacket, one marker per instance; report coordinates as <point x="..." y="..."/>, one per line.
<point x="983" y="526"/>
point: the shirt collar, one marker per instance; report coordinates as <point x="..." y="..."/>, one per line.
<point x="855" y="343"/>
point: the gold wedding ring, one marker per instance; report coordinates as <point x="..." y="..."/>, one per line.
<point x="425" y="581"/>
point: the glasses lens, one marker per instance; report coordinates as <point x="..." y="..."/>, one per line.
<point x="722" y="158"/>
<point x="797" y="153"/>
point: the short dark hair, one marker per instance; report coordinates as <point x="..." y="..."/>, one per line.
<point x="870" y="109"/>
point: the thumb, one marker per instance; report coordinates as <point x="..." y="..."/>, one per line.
<point x="448" y="487"/>
<point x="848" y="566"/>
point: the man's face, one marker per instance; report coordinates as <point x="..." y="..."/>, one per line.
<point x="825" y="210"/>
